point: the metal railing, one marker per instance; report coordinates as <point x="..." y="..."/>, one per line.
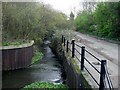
<point x="105" y="81"/>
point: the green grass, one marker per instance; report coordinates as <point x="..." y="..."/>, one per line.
<point x="14" y="43"/>
<point x="45" y="86"/>
<point x="10" y="43"/>
<point x="37" y="56"/>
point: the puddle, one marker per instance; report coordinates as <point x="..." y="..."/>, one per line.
<point x="96" y="63"/>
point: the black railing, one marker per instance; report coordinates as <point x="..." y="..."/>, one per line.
<point x="105" y="81"/>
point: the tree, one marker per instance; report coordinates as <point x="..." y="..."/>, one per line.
<point x="30" y="20"/>
<point x="104" y="21"/>
<point x="107" y="18"/>
<point x="89" y="6"/>
<point x="83" y="22"/>
<point x="71" y="16"/>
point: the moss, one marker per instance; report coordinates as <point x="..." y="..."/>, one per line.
<point x="85" y="83"/>
<point x="73" y="61"/>
<point x="76" y="67"/>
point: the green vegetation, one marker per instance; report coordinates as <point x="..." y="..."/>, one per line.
<point x="11" y="43"/>
<point x="14" y="43"/>
<point x="30" y="21"/>
<point x="83" y="22"/>
<point x="103" y="21"/>
<point x="46" y="86"/>
<point x="37" y="56"/>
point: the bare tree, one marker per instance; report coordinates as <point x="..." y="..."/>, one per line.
<point x="89" y="6"/>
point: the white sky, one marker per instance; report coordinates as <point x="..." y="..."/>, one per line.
<point x="65" y="6"/>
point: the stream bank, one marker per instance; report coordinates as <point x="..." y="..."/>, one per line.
<point x="48" y="69"/>
<point x="74" y="78"/>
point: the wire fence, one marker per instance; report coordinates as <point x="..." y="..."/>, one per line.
<point x="104" y="79"/>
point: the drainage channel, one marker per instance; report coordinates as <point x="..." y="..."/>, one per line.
<point x="48" y="69"/>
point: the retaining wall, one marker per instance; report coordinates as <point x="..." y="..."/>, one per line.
<point x="74" y="78"/>
<point x="16" y="57"/>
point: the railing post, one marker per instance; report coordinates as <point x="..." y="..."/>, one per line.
<point x="62" y="38"/>
<point x="67" y="46"/>
<point x="102" y="75"/>
<point x="64" y="41"/>
<point x="82" y="57"/>
<point x="73" y="48"/>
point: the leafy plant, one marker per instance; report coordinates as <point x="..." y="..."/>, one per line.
<point x="46" y="86"/>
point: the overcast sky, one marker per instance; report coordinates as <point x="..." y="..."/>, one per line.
<point x="65" y="6"/>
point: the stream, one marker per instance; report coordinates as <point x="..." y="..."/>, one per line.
<point x="48" y="69"/>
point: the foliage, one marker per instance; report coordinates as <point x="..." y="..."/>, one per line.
<point x="46" y="86"/>
<point x="14" y="43"/>
<point x="83" y="22"/>
<point x="8" y="43"/>
<point x="37" y="56"/>
<point x="106" y="17"/>
<point x="30" y="20"/>
<point x="103" y="22"/>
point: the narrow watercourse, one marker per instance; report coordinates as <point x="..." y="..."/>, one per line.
<point x="49" y="69"/>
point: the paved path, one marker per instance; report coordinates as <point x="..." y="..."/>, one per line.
<point x="104" y="51"/>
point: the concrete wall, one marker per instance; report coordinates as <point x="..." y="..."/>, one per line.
<point x="74" y="78"/>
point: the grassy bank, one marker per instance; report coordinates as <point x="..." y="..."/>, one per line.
<point x="37" y="56"/>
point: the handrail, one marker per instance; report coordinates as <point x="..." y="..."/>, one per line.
<point x="78" y="59"/>
<point x="77" y="51"/>
<point x="92" y="66"/>
<point x="78" y="45"/>
<point x="108" y="79"/>
<point x="69" y="49"/>
<point x="69" y="42"/>
<point x="92" y="76"/>
<point x="93" y="55"/>
<point x="104" y="69"/>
